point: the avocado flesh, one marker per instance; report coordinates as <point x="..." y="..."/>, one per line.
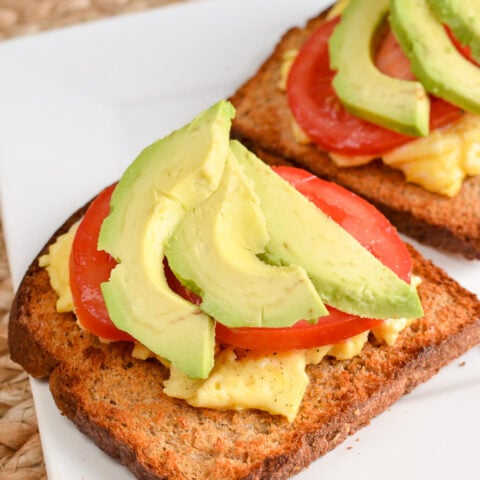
<point x="365" y="91"/>
<point x="221" y="265"/>
<point x="463" y="18"/>
<point x="443" y="71"/>
<point x="165" y="181"/>
<point x="345" y="274"/>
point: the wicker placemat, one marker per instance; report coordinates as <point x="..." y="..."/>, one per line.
<point x="20" y="17"/>
<point x="20" y="449"/>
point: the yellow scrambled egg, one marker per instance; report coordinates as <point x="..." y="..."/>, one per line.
<point x="438" y="163"/>
<point x="56" y="264"/>
<point x="441" y="161"/>
<point x="274" y="383"/>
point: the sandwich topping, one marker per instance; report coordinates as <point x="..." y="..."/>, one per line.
<point x="359" y="105"/>
<point x="234" y="275"/>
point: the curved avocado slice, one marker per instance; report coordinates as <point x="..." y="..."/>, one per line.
<point x="346" y="275"/>
<point x="221" y="265"/>
<point x="365" y="91"/>
<point x="463" y="18"/>
<point x="166" y="180"/>
<point x="434" y="60"/>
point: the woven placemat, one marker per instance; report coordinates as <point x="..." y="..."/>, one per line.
<point x="21" y="17"/>
<point x="20" y="449"/>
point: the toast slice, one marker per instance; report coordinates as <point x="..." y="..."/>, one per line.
<point x="263" y="123"/>
<point x="119" y="403"/>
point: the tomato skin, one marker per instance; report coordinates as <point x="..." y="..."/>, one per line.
<point x="331" y="329"/>
<point x="89" y="268"/>
<point x="318" y="110"/>
<point x="463" y="49"/>
<point x="177" y="287"/>
<point x="365" y="223"/>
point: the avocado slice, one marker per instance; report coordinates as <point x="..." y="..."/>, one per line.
<point x="365" y="91"/>
<point x="346" y="275"/>
<point x="443" y="71"/>
<point x="221" y="265"/>
<point x="169" y="178"/>
<point x="463" y="18"/>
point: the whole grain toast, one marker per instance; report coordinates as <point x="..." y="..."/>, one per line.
<point x="118" y="400"/>
<point x="263" y="122"/>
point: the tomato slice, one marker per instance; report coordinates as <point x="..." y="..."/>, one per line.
<point x="364" y="222"/>
<point x="318" y="110"/>
<point x="334" y="328"/>
<point x="89" y="268"/>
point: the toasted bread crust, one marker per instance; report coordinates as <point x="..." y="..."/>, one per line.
<point x="118" y="401"/>
<point x="263" y="123"/>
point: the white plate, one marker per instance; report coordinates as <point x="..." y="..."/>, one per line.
<point x="76" y="106"/>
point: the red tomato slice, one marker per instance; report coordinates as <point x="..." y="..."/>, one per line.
<point x="89" y="268"/>
<point x="364" y="222"/>
<point x="318" y="110"/>
<point x="328" y="330"/>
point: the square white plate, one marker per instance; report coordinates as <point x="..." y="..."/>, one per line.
<point x="78" y="104"/>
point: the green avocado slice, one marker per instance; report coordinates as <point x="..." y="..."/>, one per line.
<point x="221" y="265"/>
<point x="365" y="91"/>
<point x="443" y="71"/>
<point x="166" y="180"/>
<point x="346" y="275"/>
<point x="463" y="18"/>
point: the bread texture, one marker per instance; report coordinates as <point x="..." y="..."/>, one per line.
<point x="264" y="123"/>
<point x="119" y="403"/>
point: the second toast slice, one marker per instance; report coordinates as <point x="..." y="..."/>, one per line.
<point x="264" y="123"/>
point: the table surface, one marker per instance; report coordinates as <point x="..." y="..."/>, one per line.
<point x="20" y="449"/>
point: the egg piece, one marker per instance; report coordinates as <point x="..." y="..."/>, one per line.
<point x="274" y="383"/>
<point x="389" y="330"/>
<point x="56" y="263"/>
<point x="440" y="162"/>
<point x="349" y="348"/>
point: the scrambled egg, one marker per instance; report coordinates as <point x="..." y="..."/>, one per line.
<point x="441" y="161"/>
<point x="274" y="383"/>
<point x="287" y="61"/>
<point x="56" y="264"/>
